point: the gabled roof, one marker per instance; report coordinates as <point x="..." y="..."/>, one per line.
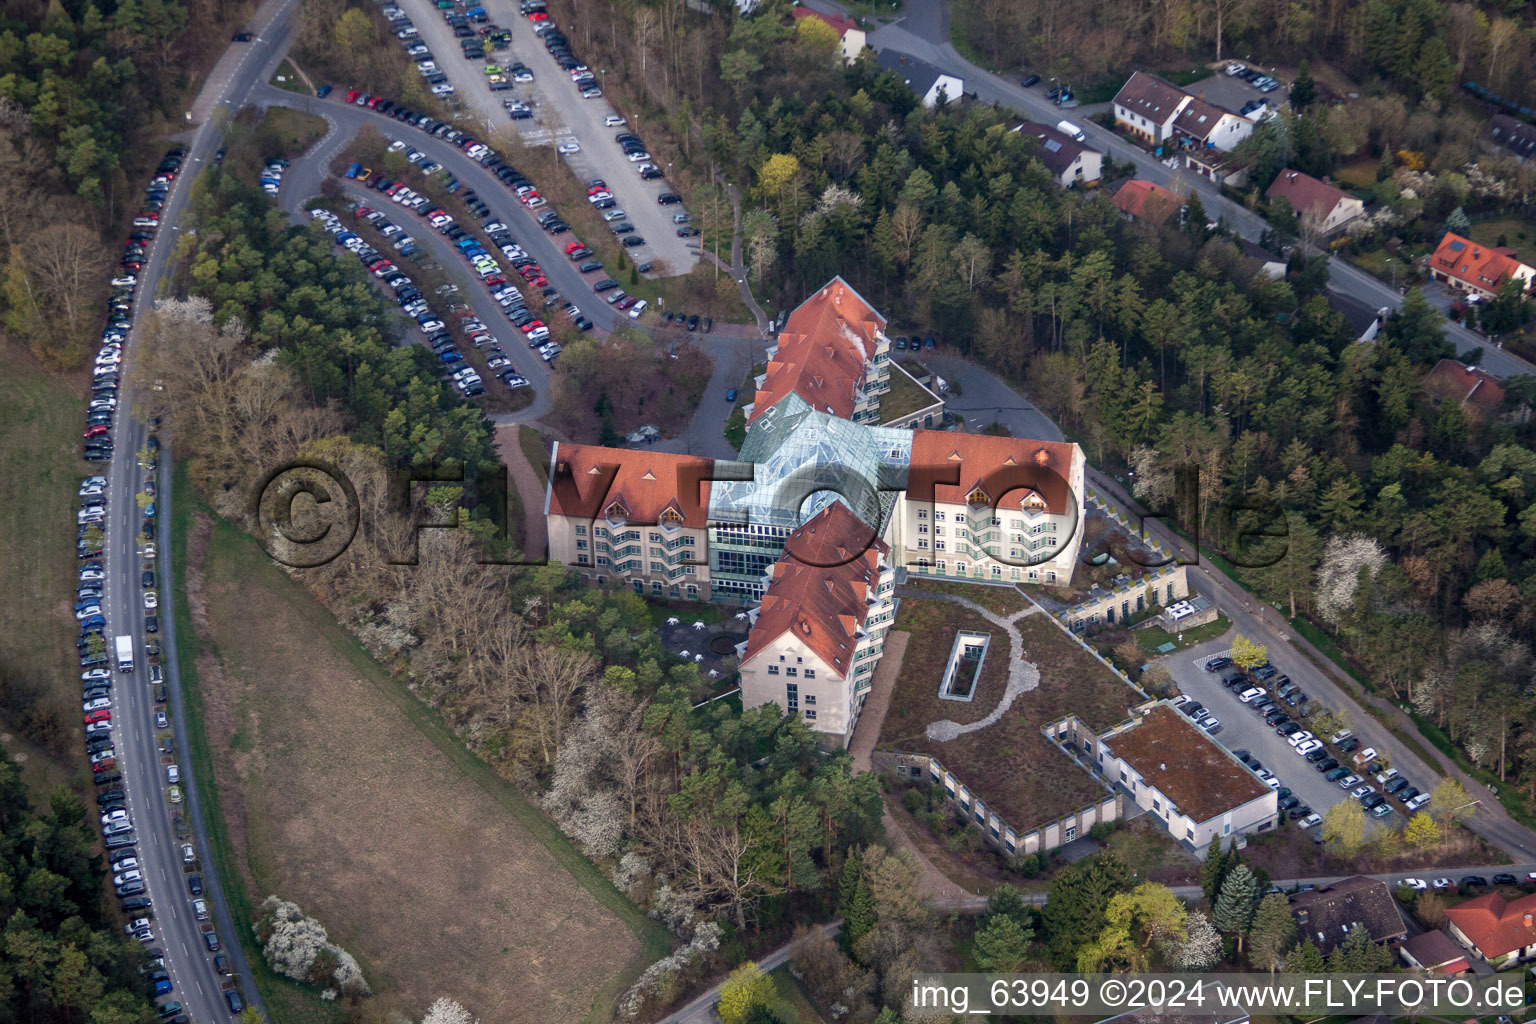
<point x="1057" y="151"/>
<point x="1181" y="761"/>
<point x="1436" y="951"/>
<point x="1198" y="119"/>
<point x="821" y="588"/>
<point x="1496" y="926"/>
<point x="1151" y="97"/>
<point x="918" y="74"/>
<point x="822" y="351"/>
<point x="1146" y="201"/>
<point x="1513" y="134"/>
<point x="1328" y="914"/>
<point x="1014" y="472"/>
<point x="1482" y="266"/>
<point x="1307" y="195"/>
<point x="1467" y="384"/>
<point x="638" y="486"/>
<point x="840" y="23"/>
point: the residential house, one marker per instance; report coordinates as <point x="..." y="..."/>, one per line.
<point x="1478" y="391"/>
<point x="1320" y="206"/>
<point x="1328" y="914"/>
<point x="1188" y="781"/>
<point x="1146" y="201"/>
<point x="1478" y="270"/>
<point x="1513" y="134"/>
<point x="850" y="35"/>
<point x="1501" y="932"/>
<point x="928" y="82"/>
<point x="1435" y="952"/>
<point x="636" y="518"/>
<point x="1068" y="160"/>
<point x="818" y="634"/>
<point x="1147" y="106"/>
<point x="998" y="509"/>
<point x="1202" y="125"/>
<point x="1270" y="265"/>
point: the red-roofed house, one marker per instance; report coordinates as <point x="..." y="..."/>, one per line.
<point x="819" y="632"/>
<point x="1147" y="106"/>
<point x="833" y="353"/>
<point x="1318" y="204"/>
<point x="1477" y="269"/>
<point x="1501" y="932"/>
<point x="1146" y="201"/>
<point x="1473" y="388"/>
<point x="635" y="517"/>
<point x="846" y="27"/>
<point x="1000" y="509"/>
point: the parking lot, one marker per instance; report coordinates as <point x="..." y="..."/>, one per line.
<point x="1243" y="729"/>
<point x="559" y="115"/>
<point x="1231" y="93"/>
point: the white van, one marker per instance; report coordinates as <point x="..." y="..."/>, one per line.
<point x="1071" y="130"/>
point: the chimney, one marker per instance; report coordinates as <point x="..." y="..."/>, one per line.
<point x="1302" y="916"/>
<point x="1527" y="920"/>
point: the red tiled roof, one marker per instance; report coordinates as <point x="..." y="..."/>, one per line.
<point x="1306" y="194"/>
<point x="1175" y="757"/>
<point x="1150" y="96"/>
<point x="1146" y="200"/>
<point x="841" y="23"/>
<point x="1480" y="266"/>
<point x="589" y="480"/>
<point x="820" y="586"/>
<point x="822" y="351"/>
<point x="1008" y="470"/>
<point x="1465" y="383"/>
<point x="1495" y="926"/>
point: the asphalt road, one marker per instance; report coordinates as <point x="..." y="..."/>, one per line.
<point x="923" y="32"/>
<point x="178" y="934"/>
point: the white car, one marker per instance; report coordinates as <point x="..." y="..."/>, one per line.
<point x="161" y="721"/>
<point x="1416" y="884"/>
<point x="88" y="611"/>
<point x="111" y="816"/>
<point x="188" y="855"/>
<point x="1309" y="821"/>
<point x="126" y="877"/>
<point x="91" y="575"/>
<point x="637" y="309"/>
<point x="149" y="551"/>
<point x="568" y="147"/>
<point x="1308" y="747"/>
<point x="1349" y="782"/>
<point x="124" y="281"/>
<point x="1272" y="782"/>
<point x="1251" y="694"/>
<point x="172" y="774"/>
<point x="200" y="909"/>
<point x="397" y="145"/>
<point x="1417" y="802"/>
<point x="446" y="89"/>
<point x="1296" y="739"/>
<point x="96" y="705"/>
<point x="94" y="674"/>
<point x="613" y="121"/>
<point x="638" y="155"/>
<point x="126" y="864"/>
<point x="151" y="600"/>
<point x="614" y="214"/>
<point x="1387" y="776"/>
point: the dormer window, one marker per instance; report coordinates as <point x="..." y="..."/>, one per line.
<point x="672" y="517"/>
<point x="978" y="497"/>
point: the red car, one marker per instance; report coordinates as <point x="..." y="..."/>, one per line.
<point x="532" y="325"/>
<point x="362" y="211"/>
<point x="351" y="96"/>
<point x="572" y="247"/>
<point x="104" y="766"/>
<point x="537" y="16"/>
<point x="627" y="301"/>
<point x="495" y="281"/>
<point x="375" y="101"/>
<point x="593" y="190"/>
<point x="97" y="431"/>
<point x="102" y="715"/>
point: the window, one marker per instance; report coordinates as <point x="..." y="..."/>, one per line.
<point x="922" y="527"/>
<point x="1069" y="833"/>
<point x="581" y="560"/>
<point x="810" y="715"/>
<point x="922" y="513"/>
<point x="773" y="670"/>
<point x="938" y="517"/>
<point x="938" y="545"/>
<point x="810" y="699"/>
<point x="960" y="568"/>
<point x="791" y="671"/>
<point x="810" y="673"/>
<point x="581" y="531"/>
<point x="581" y="545"/>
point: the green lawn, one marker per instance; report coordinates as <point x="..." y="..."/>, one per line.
<point x="1360" y="173"/>
<point x="1153" y="637"/>
<point x="906" y="397"/>
<point x="41" y="415"/>
<point x="794" y="1004"/>
<point x="1518" y="233"/>
<point x="287" y="77"/>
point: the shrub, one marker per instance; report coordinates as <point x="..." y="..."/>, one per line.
<point x="1027" y="864"/>
<point x="915" y="800"/>
<point x="297" y="947"/>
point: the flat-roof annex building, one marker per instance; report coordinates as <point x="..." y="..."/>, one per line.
<point x="854" y="503"/>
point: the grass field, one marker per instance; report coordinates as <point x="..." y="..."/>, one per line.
<point x="1518" y="233"/>
<point x="1360" y="173"/>
<point x="286" y="77"/>
<point x="1153" y="637"/>
<point x="999" y="600"/>
<point x="40" y="470"/>
<point x="255" y="137"/>
<point x="793" y="998"/>
<point x="336" y="788"/>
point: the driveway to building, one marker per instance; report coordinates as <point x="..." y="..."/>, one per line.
<point x="1244" y="729"/>
<point x="923" y="31"/>
<point x="559" y="114"/>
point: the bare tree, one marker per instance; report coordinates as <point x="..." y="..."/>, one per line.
<point x="540" y="685"/>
